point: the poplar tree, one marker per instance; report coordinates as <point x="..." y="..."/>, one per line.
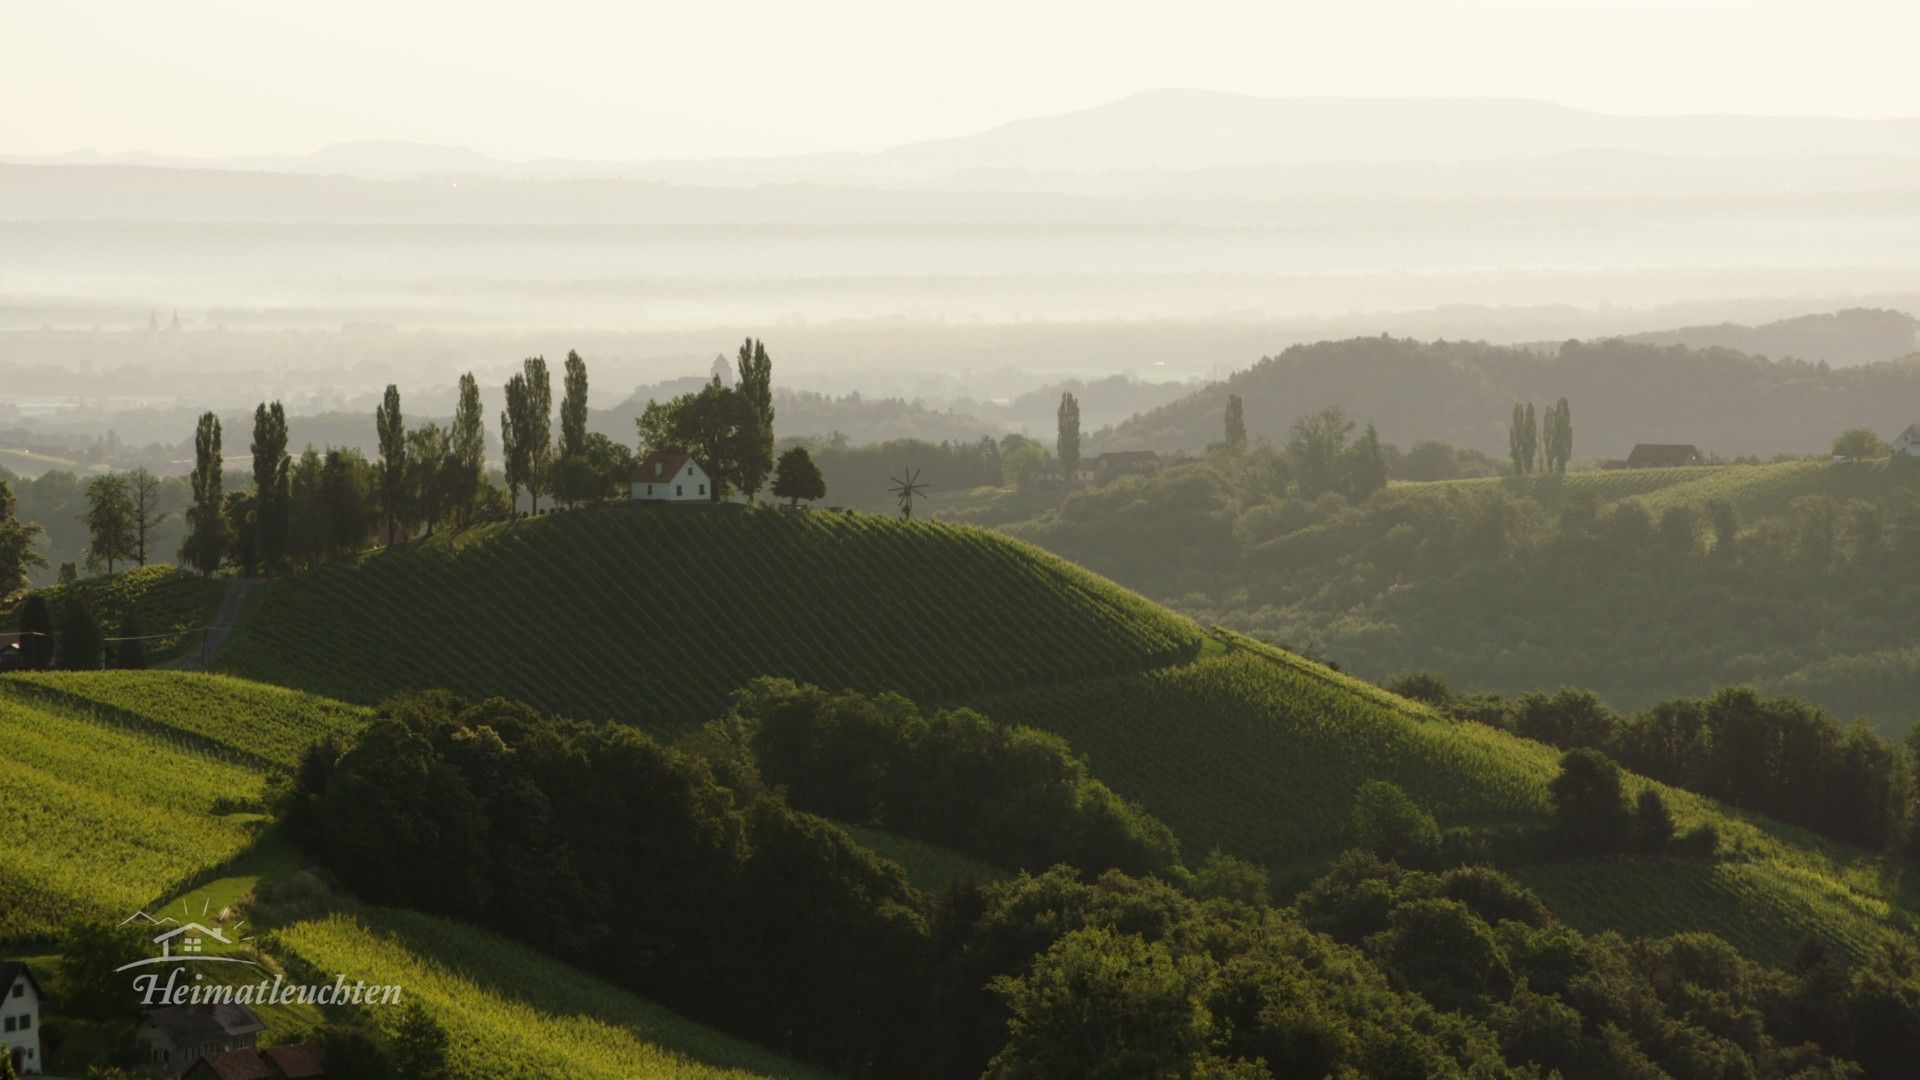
<point x="1516" y="440"/>
<point x="536" y="436"/>
<point x="393" y="458"/>
<point x="573" y="408"/>
<point x="1236" y="424"/>
<point x="468" y="441"/>
<point x="514" y="437"/>
<point x="1530" y="438"/>
<point x="1068" y="439"/>
<point x="272" y="498"/>
<point x="753" y="454"/>
<point x="205" y="543"/>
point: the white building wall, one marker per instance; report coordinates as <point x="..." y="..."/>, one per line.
<point x="19" y="1003"/>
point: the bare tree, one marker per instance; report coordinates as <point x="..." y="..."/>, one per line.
<point x="143" y="488"/>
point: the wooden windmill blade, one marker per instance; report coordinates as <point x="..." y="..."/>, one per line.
<point x="906" y="489"/>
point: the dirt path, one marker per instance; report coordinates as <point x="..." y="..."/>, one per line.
<point x="232" y="602"/>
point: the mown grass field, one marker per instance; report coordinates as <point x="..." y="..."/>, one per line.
<point x="1754" y="490"/>
<point x="654" y="615"/>
<point x="928" y="866"/>
<point x="512" y="1013"/>
<point x="1259" y="753"/>
<point x="170" y="604"/>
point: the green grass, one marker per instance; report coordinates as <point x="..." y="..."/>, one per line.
<point x="513" y="1013"/>
<point x="101" y="820"/>
<point x="168" y="601"/>
<point x="928" y="866"/>
<point x="31" y="465"/>
<point x="1754" y="490"/>
<point x="654" y="615"/>
<point x="1260" y="753"/>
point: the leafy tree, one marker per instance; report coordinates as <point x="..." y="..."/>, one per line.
<point x="109" y="518"/>
<point x="1652" y="824"/>
<point x="515" y="436"/>
<point x="433" y="478"/>
<point x="574" y="481"/>
<point x="1316" y="443"/>
<point x="716" y="426"/>
<point x="17" y="539"/>
<point x="272" y="489"/>
<point x="91" y="986"/>
<point x="1529" y="438"/>
<point x="69" y="572"/>
<point x="538" y="435"/>
<point x="1236" y="423"/>
<point x="350" y="1051"/>
<point x="468" y="444"/>
<point x="573" y="408"/>
<point x="346" y="502"/>
<point x="797" y="477"/>
<point x="1516" y="442"/>
<point x="80" y="640"/>
<point x="1067" y="441"/>
<point x="420" y="1046"/>
<point x="130" y="653"/>
<point x="1589" y="811"/>
<point x="393" y="460"/>
<point x="1023" y="467"/>
<point x="7" y="1071"/>
<point x="1860" y="444"/>
<point x="206" y="540"/>
<point x="36" y="633"/>
<point x="143" y="491"/>
<point x="1366" y="466"/>
<point x="753" y="453"/>
<point x="1392" y="826"/>
<point x="1104" y="1006"/>
<point x="242" y="542"/>
<point x="1724" y="520"/>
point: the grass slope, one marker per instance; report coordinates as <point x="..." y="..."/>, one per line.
<point x="654" y="615"/>
<point x="1259" y="753"/>
<point x="1755" y="491"/>
<point x="513" y="1013"/>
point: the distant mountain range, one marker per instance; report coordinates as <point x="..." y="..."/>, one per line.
<point x="1154" y="131"/>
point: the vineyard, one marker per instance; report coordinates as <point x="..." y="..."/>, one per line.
<point x="514" y="1013"/>
<point x="1754" y="490"/>
<point x="251" y="722"/>
<point x="101" y="819"/>
<point x="653" y="616"/>
<point x="170" y="604"/>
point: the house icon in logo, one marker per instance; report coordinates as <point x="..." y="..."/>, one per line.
<point x="188" y="942"/>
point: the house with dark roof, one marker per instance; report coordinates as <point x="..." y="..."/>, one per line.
<point x="1907" y="443"/>
<point x="1126" y="463"/>
<point x="295" y="1061"/>
<point x="665" y="477"/>
<point x="20" y="1016"/>
<point x="1664" y="456"/>
<point x="175" y="1037"/>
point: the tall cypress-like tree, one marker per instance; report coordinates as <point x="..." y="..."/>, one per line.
<point x="1236" y="424"/>
<point x="205" y="543"/>
<point x="537" y="437"/>
<point x="753" y="456"/>
<point x="272" y="502"/>
<point x="80" y="641"/>
<point x="1530" y="438"/>
<point x="513" y="437"/>
<point x="573" y="408"/>
<point x="16" y="547"/>
<point x="1516" y="440"/>
<point x="393" y="458"/>
<point x="1366" y="466"/>
<point x="36" y="633"/>
<point x="1068" y="440"/>
<point x="1563" y="435"/>
<point x="468" y="440"/>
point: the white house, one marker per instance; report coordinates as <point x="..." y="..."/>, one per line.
<point x="670" y="478"/>
<point x="1908" y="442"/>
<point x="20" y="1016"/>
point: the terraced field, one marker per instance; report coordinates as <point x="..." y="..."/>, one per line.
<point x="514" y="1014"/>
<point x="1259" y="753"/>
<point x="654" y="615"/>
<point x="118" y="788"/>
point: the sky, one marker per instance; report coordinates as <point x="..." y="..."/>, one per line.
<point x="566" y="78"/>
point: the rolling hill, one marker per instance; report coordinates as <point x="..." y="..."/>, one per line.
<point x="1234" y="744"/>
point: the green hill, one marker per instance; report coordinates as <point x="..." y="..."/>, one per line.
<point x="169" y="604"/>
<point x="654" y="615"/>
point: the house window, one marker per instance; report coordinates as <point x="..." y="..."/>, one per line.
<point x="8" y="1026"/>
<point x="677" y="491"/>
<point x="19" y="989"/>
<point x="703" y="489"/>
<point x="26" y="1022"/>
<point x="649" y="489"/>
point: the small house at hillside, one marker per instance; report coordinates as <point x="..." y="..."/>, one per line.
<point x="296" y="1061"/>
<point x="670" y="478"/>
<point x="20" y="1017"/>
<point x="176" y="1037"/>
<point x="1907" y="443"/>
<point x="1663" y="456"/>
<point x="1126" y="463"/>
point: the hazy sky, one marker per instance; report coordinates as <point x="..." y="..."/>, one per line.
<point x="752" y="77"/>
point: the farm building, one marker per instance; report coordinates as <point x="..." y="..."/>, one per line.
<point x="670" y="478"/>
<point x="1126" y="463"/>
<point x="1663" y="456"/>
<point x="175" y="1037"/>
<point x="1907" y="443"/>
<point x="297" y="1061"/>
<point x="20" y="1016"/>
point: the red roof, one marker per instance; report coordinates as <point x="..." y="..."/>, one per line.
<point x="658" y="468"/>
<point x="297" y="1061"/>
